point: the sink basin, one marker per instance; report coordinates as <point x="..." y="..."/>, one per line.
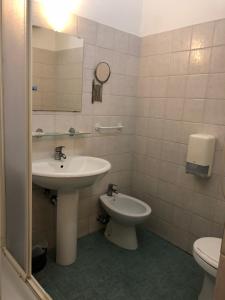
<point x="72" y="173"/>
<point x="67" y="177"/>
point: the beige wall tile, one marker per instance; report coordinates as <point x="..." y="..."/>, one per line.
<point x="199" y="61"/>
<point x="196" y="86"/>
<point x="87" y="29"/>
<point x="149" y="45"/>
<point x="143" y="66"/>
<point x="181" y="219"/>
<point x="158" y="65"/>
<point x="174" y="109"/>
<point x="168" y="171"/>
<point x="164" y="42"/>
<point x="181" y="39"/>
<point x="202" y="35"/>
<point x="154" y="147"/>
<point x="210" y="188"/>
<point x="151" y="184"/>
<point x="158" y="86"/>
<point x="216" y="130"/>
<point x="103" y="54"/>
<point x="121" y="41"/>
<point x="90" y="60"/>
<point x="217" y="60"/>
<point x="172" y="130"/>
<point x="203" y="206"/>
<point x="155" y="128"/>
<point x="170" y="151"/>
<point x="200" y="226"/>
<point x="105" y="36"/>
<point x="141" y="126"/>
<point x="216" y="86"/>
<point x="132" y="65"/>
<point x="152" y="167"/>
<point x="119" y="63"/>
<point x="179" y="63"/>
<point x="140" y="145"/>
<point x="142" y="107"/>
<point x="219" y="212"/>
<point x="176" y="86"/>
<point x="219" y="35"/>
<point x="157" y="107"/>
<point x="166" y="211"/>
<point x="214" y="111"/>
<point x="134" y="45"/>
<point x="167" y="191"/>
<point x="193" y="110"/>
<point x="144" y="87"/>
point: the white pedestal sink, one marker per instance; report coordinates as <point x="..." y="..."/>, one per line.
<point x="67" y="177"/>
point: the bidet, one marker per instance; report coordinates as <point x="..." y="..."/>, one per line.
<point x="125" y="212"/>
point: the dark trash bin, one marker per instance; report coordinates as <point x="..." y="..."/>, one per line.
<point x="39" y="258"/>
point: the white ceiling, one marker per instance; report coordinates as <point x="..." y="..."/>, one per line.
<point x="164" y="15"/>
<point x="142" y="17"/>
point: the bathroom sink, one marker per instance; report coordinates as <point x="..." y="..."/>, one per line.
<point x="67" y="177"/>
<point x="72" y="173"/>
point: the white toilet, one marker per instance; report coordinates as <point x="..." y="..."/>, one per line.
<point x="125" y="212"/>
<point x="206" y="252"/>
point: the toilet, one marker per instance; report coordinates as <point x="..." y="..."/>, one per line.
<point x="206" y="252"/>
<point x="125" y="212"/>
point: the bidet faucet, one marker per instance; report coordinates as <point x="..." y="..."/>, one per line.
<point x="112" y="188"/>
<point x="59" y="154"/>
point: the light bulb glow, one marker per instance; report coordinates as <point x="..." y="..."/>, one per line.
<point x="58" y="12"/>
<point x="197" y="58"/>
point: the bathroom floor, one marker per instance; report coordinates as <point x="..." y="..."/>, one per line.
<point x="157" y="270"/>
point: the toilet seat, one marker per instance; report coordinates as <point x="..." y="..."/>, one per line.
<point x="206" y="251"/>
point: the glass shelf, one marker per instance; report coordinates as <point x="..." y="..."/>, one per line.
<point x="71" y="132"/>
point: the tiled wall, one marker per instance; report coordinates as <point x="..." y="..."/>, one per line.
<point x="58" y="78"/>
<point x="121" y="51"/>
<point x="181" y="91"/>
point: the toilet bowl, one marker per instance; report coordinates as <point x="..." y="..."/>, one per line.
<point x="206" y="252"/>
<point x="125" y="212"/>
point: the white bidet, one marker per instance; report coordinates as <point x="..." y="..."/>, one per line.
<point x="125" y="212"/>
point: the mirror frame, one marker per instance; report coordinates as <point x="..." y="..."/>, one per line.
<point x="96" y="69"/>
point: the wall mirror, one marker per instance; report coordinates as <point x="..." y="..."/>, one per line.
<point x="102" y="74"/>
<point x="57" y="70"/>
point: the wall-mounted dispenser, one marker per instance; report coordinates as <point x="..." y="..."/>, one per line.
<point x="200" y="154"/>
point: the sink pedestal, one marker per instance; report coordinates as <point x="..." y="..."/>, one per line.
<point x="66" y="239"/>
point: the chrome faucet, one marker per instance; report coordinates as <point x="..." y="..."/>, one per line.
<point x="112" y="188"/>
<point x="59" y="154"/>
